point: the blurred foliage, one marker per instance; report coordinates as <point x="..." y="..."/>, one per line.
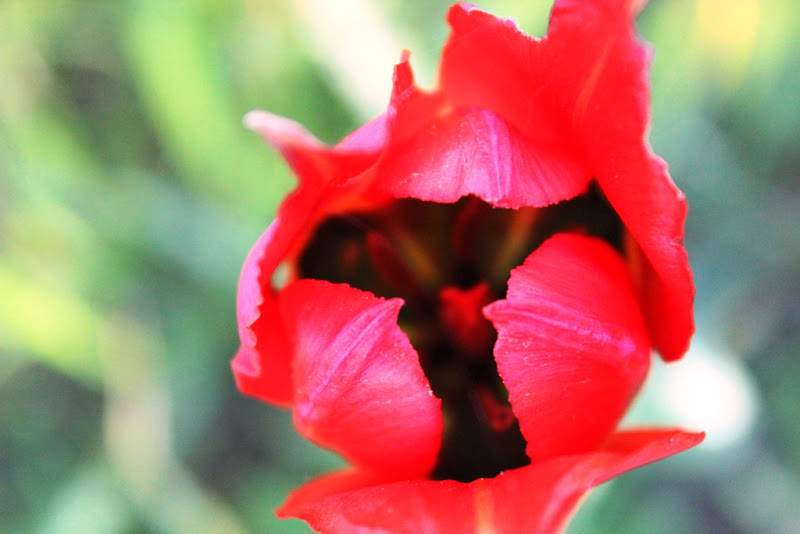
<point x="130" y="194"/>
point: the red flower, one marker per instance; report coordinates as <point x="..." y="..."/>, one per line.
<point x="472" y="283"/>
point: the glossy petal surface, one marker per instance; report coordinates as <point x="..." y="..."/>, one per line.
<point x="475" y="152"/>
<point x="359" y="388"/>
<point x="586" y="84"/>
<point x="538" y="498"/>
<point x="490" y="63"/>
<point x="572" y="348"/>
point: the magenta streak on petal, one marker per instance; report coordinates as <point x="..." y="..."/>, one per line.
<point x="500" y="148"/>
<point x="471" y="151"/>
<point x="599" y="334"/>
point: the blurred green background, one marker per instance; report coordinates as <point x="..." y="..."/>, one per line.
<point x="130" y="195"/>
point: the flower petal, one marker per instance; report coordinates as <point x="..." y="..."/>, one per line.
<point x="539" y="498"/>
<point x="312" y="161"/>
<point x="610" y="120"/>
<point x="262" y="365"/>
<point x="586" y="83"/>
<point x="353" y="502"/>
<point x="441" y="154"/>
<point x="475" y="152"/>
<point x="551" y="490"/>
<point x="359" y="387"/>
<point x="572" y="347"/>
<point x="490" y="63"/>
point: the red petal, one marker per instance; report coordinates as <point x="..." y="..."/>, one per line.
<point x="313" y="162"/>
<point x="542" y="497"/>
<point x="587" y="83"/>
<point x="327" y="177"/>
<point x="572" y="347"/>
<point x="441" y="154"/>
<point x="262" y="365"/>
<point x="475" y="152"/>
<point x="539" y="498"/>
<point x="359" y="387"/>
<point x="611" y="117"/>
<point x="352" y="502"/>
<point x="490" y="63"/>
<point x="410" y="108"/>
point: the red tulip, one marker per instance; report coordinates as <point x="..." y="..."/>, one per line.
<point x="474" y="283"/>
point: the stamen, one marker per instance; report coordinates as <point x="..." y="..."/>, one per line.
<point x="415" y="256"/>
<point x="390" y="266"/>
<point x="467" y="224"/>
<point x="515" y="243"/>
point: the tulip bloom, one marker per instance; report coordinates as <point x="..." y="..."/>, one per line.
<point x="471" y="284"/>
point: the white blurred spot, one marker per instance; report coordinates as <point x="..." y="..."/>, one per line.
<point x="708" y="390"/>
<point x="357" y="46"/>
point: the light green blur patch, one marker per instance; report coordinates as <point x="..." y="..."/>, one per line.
<point x="191" y="108"/>
<point x="48" y="323"/>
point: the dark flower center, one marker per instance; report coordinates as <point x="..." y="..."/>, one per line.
<point x="447" y="261"/>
